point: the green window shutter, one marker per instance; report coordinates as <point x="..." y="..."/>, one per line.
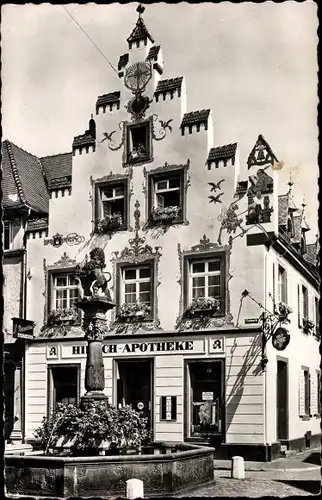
<point x="286" y="289"/>
<point x="274" y="285"/>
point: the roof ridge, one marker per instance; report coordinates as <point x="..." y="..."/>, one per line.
<point x="15" y="171"/>
<point x="56" y="154"/>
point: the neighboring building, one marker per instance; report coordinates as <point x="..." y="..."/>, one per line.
<point x="25" y="199"/>
<point x="146" y="183"/>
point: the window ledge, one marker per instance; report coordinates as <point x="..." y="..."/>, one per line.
<point x="165" y="222"/>
<point x="305" y="417"/>
<point x="109" y="231"/>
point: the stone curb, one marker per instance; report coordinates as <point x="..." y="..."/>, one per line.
<point x="263" y="469"/>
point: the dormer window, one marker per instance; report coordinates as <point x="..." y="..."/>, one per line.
<point x="139" y="143"/>
<point x="290" y="227"/>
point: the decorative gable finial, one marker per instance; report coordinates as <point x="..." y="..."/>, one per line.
<point x="140" y="9"/>
<point x="290" y="184"/>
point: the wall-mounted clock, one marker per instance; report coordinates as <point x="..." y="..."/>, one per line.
<point x="137" y="77"/>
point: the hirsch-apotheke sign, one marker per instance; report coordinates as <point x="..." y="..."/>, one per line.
<point x="193" y="346"/>
<point x="23" y="328"/>
<point x="280" y="339"/>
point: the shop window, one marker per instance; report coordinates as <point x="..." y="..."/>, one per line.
<point x="63" y="295"/>
<point x="111" y="207"/>
<point x="282" y="285"/>
<point x="63" y="385"/>
<point x="206" y="280"/>
<point x="139" y="143"/>
<point x="136" y="291"/>
<point x="205" y="398"/>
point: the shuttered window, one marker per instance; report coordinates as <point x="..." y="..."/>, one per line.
<point x="298" y="306"/>
<point x="318" y="376"/>
<point x="304" y="393"/>
<point x="315" y="393"/>
<point x="282" y="285"/>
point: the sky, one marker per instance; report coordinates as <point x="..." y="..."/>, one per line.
<point x="254" y="65"/>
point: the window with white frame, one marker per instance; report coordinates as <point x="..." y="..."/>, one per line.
<point x="167" y="191"/>
<point x="65" y="291"/>
<point x="137" y="285"/>
<point x="305" y="302"/>
<point x="282" y="285"/>
<point x="112" y="197"/>
<point x="206" y="279"/>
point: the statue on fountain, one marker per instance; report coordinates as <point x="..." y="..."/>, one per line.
<point x="92" y="278"/>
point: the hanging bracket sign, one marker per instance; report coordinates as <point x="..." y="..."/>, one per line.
<point x="280" y="339"/>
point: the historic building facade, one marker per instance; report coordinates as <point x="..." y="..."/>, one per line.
<point x="198" y="246"/>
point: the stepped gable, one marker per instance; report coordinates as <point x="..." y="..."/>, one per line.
<point x="110" y="98"/>
<point x="195" y="117"/>
<point x="123" y="60"/>
<point x="219" y="153"/>
<point x="24" y="183"/>
<point x="58" y="169"/>
<point x="154" y="51"/>
<point x="37" y="224"/>
<point x="168" y="85"/>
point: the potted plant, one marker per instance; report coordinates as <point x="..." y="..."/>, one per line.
<point x="307" y="325"/>
<point x="202" y="306"/>
<point x="136" y="311"/>
<point x="283" y="311"/>
<point x="164" y="214"/>
<point x="63" y="316"/>
<point x="108" y="223"/>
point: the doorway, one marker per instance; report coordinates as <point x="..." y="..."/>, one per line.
<point x="282" y="400"/>
<point x="135" y="386"/>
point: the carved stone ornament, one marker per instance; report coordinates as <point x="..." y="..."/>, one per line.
<point x="137" y="107"/>
<point x="71" y="239"/>
<point x="203" y="321"/>
<point x="137" y="251"/>
<point x="93" y="280"/>
<point x="95" y="329"/>
<point x="64" y="262"/>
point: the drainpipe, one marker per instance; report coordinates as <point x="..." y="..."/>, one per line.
<point x="265" y="369"/>
<point x="24" y="315"/>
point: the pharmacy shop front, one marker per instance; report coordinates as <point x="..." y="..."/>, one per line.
<point x="179" y="383"/>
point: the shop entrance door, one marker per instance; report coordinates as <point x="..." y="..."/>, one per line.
<point x="281" y="400"/>
<point x="135" y="384"/>
<point x="206" y="398"/>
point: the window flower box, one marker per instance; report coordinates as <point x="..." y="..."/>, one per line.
<point x="133" y="312"/>
<point x="109" y="223"/>
<point x="63" y="316"/>
<point x="202" y="306"/>
<point x="162" y="215"/>
<point x="307" y="325"/>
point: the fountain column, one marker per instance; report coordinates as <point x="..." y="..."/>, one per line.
<point x="95" y="303"/>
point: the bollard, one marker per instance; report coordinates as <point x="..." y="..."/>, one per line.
<point x="237" y="468"/>
<point x="134" y="489"/>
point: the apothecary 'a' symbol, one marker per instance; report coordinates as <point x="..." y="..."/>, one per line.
<point x="217" y="344"/>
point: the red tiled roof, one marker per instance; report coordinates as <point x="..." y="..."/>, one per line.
<point x="140" y="32"/>
<point x="222" y="152"/>
<point x="195" y="117"/>
<point x="83" y="140"/>
<point x="25" y="179"/>
<point x="170" y="84"/>
<point x="57" y="167"/>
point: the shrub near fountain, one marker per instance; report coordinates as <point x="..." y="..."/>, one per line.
<point x="94" y="449"/>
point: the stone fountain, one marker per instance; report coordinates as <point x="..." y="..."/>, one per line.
<point x="170" y="468"/>
<point x="96" y="301"/>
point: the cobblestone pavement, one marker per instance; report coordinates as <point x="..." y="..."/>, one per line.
<point x="258" y="484"/>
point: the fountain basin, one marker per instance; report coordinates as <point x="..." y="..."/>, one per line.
<point x="168" y="470"/>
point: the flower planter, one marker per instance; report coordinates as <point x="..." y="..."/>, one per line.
<point x="108" y="224"/>
<point x="164" y="215"/>
<point x="133" y="313"/>
<point x="202" y="307"/>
